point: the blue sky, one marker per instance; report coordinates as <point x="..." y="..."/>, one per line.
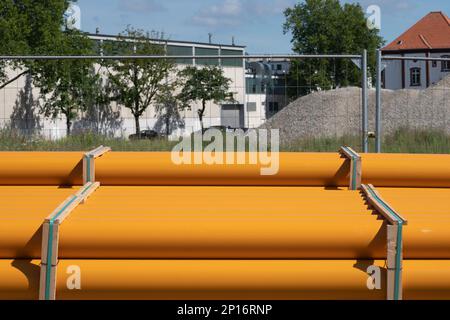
<point x="256" y="24"/>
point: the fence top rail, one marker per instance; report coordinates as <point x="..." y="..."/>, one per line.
<point x="126" y="57"/>
<point x="414" y="58"/>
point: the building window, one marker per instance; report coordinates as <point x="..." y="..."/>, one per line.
<point x="207" y="52"/>
<point x="415" y="77"/>
<point x="434" y="64"/>
<point x="180" y="51"/>
<point x="279" y="67"/>
<point x="232" y="62"/>
<point x="445" y="64"/>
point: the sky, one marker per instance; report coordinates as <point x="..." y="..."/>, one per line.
<point x="256" y="24"/>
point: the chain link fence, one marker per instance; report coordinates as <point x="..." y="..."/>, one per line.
<point x="412" y="103"/>
<point x="316" y="101"/>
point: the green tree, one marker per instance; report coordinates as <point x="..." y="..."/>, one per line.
<point x="36" y="27"/>
<point x="203" y="85"/>
<point x="67" y="87"/>
<point x="327" y="27"/>
<point x="136" y="83"/>
<point x="29" y="27"/>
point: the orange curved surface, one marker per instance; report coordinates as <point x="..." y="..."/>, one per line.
<point x="157" y="168"/>
<point x="23" y="210"/>
<point x="196" y="279"/>
<point x="427" y="235"/>
<point x="265" y="223"/>
<point x="226" y="279"/>
<point x="294" y="235"/>
<point x="406" y="170"/>
<point x="41" y="168"/>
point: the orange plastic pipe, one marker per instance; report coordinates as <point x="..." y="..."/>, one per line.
<point x="224" y="279"/>
<point x="427" y="209"/>
<point x="22" y="212"/>
<point x="271" y="222"/>
<point x="41" y="168"/>
<point x="426" y="280"/>
<point x="301" y="169"/>
<point x="196" y="279"/>
<point x="279" y="222"/>
<point x="295" y="169"/>
<point x="406" y="170"/>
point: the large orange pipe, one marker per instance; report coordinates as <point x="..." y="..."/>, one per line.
<point x="427" y="210"/>
<point x="279" y="222"/>
<point x="269" y="222"/>
<point x="406" y="170"/>
<point x="301" y="169"/>
<point x="426" y="280"/>
<point x="224" y="279"/>
<point x="259" y="222"/>
<point x="41" y="168"/>
<point x="305" y="169"/>
<point x="23" y="210"/>
<point x="137" y="222"/>
<point x="196" y="279"/>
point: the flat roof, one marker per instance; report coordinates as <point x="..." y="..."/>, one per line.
<point x="108" y="36"/>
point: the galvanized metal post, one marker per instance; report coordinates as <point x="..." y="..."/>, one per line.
<point x="378" y="118"/>
<point x="364" y="86"/>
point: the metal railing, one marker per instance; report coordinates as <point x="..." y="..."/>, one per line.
<point x="126" y="129"/>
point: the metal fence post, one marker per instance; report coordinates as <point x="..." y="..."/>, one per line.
<point x="378" y="104"/>
<point x="364" y="86"/>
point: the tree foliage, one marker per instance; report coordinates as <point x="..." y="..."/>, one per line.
<point x="68" y="87"/>
<point x="137" y="83"/>
<point x="36" y="27"/>
<point x="203" y="85"/>
<point x="29" y="27"/>
<point x="327" y="27"/>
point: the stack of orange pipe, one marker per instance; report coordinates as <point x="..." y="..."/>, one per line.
<point x="156" y="230"/>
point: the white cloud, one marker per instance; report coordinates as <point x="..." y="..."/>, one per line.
<point x="262" y="8"/>
<point x="225" y="14"/>
<point x="236" y="12"/>
<point x="388" y="6"/>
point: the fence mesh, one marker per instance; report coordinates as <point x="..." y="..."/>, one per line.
<point x="415" y="105"/>
<point x="314" y="102"/>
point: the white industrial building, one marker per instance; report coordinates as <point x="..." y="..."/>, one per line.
<point x="19" y="101"/>
<point x="430" y="37"/>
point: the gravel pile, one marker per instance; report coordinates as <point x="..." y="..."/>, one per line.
<point x="336" y="113"/>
